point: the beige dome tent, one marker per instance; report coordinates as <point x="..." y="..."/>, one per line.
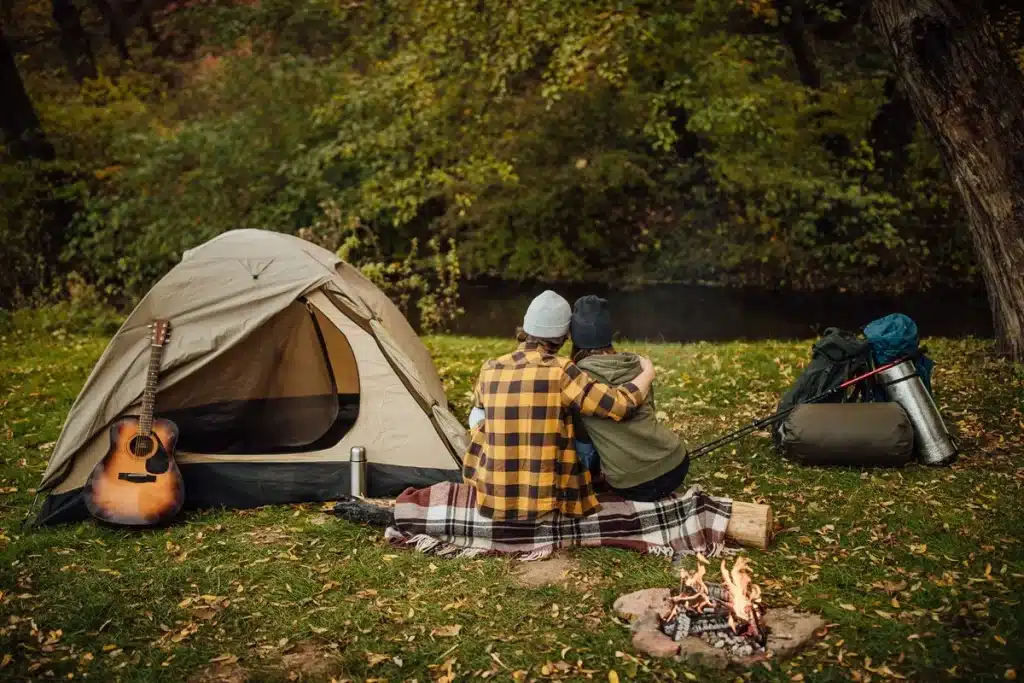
<point x="281" y="358"/>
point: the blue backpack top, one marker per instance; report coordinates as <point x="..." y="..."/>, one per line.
<point x="895" y="336"/>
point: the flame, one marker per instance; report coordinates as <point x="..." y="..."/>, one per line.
<point x="738" y="598"/>
<point x="697" y="597"/>
<point x="744" y="594"/>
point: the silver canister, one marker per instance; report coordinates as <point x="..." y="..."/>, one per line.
<point x="931" y="439"/>
<point x="357" y="472"/>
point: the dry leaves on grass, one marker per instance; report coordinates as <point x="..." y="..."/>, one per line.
<point x="204" y="607"/>
<point x="450" y="631"/>
<point x="443" y="673"/>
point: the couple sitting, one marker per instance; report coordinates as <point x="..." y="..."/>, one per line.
<point x="543" y="424"/>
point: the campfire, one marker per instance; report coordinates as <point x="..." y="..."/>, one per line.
<point x="727" y="615"/>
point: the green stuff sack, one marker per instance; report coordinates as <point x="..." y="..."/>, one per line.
<point x="848" y="434"/>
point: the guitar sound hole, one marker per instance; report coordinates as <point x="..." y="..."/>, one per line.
<point x="141" y="446"/>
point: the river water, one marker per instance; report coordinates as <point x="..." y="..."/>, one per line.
<point x="685" y="313"/>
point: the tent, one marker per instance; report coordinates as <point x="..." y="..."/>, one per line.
<point x="281" y="358"/>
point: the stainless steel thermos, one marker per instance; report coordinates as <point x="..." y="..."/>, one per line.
<point x="931" y="439"/>
<point x="357" y="472"/>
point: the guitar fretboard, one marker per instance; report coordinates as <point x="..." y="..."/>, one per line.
<point x="149" y="394"/>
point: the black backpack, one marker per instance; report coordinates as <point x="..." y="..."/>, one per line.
<point x="835" y="358"/>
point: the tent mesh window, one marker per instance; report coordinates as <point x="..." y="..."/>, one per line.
<point x="291" y="386"/>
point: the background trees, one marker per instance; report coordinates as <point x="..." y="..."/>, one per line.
<point x="968" y="89"/>
<point x="759" y="142"/>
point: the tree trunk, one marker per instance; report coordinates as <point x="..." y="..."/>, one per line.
<point x="25" y="141"/>
<point x="969" y="93"/>
<point x="23" y="136"/>
<point x="116" y="26"/>
<point x="74" y="43"/>
<point x="892" y="131"/>
<point x="798" y="38"/>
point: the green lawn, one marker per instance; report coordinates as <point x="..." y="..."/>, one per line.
<point x="919" y="572"/>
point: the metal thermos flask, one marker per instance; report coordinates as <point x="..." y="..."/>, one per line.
<point x="931" y="439"/>
<point x="357" y="472"/>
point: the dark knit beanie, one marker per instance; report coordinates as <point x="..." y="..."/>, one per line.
<point x="591" y="325"/>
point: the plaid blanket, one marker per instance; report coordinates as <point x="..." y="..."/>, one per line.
<point x="443" y="520"/>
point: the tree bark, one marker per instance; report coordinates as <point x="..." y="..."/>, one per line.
<point x="23" y="136"/>
<point x="74" y="43"/>
<point x="967" y="90"/>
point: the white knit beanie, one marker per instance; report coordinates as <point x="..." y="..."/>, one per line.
<point x="548" y="316"/>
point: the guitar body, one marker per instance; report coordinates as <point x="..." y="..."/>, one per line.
<point x="137" y="483"/>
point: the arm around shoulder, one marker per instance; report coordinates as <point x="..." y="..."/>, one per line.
<point x="593" y="398"/>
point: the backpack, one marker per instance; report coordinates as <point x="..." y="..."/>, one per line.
<point x="895" y="336"/>
<point x="835" y="358"/>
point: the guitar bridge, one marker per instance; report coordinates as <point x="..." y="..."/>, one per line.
<point x="136" y="478"/>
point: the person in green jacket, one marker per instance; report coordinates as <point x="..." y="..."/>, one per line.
<point x="641" y="459"/>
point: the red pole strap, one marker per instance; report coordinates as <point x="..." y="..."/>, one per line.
<point x="873" y="372"/>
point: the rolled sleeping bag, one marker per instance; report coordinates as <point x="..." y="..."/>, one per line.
<point x="848" y="434"/>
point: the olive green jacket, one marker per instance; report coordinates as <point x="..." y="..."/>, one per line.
<point x="635" y="451"/>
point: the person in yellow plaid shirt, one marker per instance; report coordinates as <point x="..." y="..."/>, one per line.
<point x="522" y="456"/>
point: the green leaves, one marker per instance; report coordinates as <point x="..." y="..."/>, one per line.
<point x="554" y="140"/>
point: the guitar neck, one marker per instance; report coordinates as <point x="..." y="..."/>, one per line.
<point x="149" y="394"/>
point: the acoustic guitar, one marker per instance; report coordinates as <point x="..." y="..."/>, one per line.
<point x="138" y="483"/>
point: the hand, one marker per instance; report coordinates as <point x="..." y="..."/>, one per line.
<point x="646" y="378"/>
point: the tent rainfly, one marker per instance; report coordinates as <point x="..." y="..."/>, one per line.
<point x="282" y="357"/>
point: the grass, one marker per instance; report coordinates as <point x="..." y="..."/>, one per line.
<point x="919" y="572"/>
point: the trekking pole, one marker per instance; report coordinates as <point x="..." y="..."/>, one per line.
<point x="725" y="439"/>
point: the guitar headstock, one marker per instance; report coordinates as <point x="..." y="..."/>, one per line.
<point x="159" y="332"/>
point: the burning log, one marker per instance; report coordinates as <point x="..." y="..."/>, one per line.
<point x="703" y="608"/>
<point x="750" y="525"/>
<point x="708" y="623"/>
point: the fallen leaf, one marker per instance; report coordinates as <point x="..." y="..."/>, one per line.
<point x="447" y="631"/>
<point x="613" y="677"/>
<point x="894" y="586"/>
<point x="374" y="658"/>
<point x="848" y="607"/>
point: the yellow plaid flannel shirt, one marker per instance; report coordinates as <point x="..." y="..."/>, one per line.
<point x="522" y="457"/>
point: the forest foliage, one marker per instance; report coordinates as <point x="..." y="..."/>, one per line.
<point x="757" y="142"/>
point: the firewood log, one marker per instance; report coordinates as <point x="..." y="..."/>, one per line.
<point x="750" y="525"/>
